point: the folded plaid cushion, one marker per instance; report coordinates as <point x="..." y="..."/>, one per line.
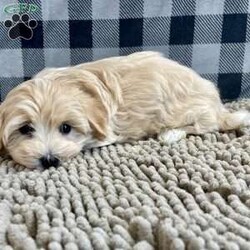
<point x="212" y="37"/>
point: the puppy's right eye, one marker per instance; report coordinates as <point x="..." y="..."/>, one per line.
<point x="26" y="130"/>
<point x="65" y="128"/>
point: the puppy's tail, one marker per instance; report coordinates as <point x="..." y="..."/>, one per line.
<point x="235" y="120"/>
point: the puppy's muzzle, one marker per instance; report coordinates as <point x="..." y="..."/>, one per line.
<point x="48" y="161"/>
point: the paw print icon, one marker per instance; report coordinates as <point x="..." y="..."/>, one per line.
<point x="20" y="26"/>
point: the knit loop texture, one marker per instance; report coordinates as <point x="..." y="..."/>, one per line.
<point x="193" y="194"/>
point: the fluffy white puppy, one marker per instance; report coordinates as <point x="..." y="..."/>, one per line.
<point x="61" y="111"/>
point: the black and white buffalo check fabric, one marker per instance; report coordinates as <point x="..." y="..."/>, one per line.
<point x="211" y="36"/>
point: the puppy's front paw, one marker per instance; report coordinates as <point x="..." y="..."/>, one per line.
<point x="171" y="136"/>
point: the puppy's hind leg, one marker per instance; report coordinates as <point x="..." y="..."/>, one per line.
<point x="206" y="123"/>
<point x="235" y="120"/>
<point x="221" y="121"/>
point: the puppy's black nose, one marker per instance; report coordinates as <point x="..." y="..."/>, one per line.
<point x="48" y="161"/>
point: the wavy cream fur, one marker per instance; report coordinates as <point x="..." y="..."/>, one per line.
<point x="112" y="100"/>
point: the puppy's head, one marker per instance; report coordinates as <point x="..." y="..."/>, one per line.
<point x="52" y="117"/>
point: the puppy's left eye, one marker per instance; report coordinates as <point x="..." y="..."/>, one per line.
<point x="26" y="130"/>
<point x="65" y="128"/>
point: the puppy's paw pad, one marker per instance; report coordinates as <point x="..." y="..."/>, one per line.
<point x="172" y="136"/>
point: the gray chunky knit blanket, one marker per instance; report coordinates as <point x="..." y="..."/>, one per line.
<point x="193" y="194"/>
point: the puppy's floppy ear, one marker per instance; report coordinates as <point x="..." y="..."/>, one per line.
<point x="109" y="80"/>
<point x="92" y="100"/>
<point x="100" y="81"/>
<point x="98" y="121"/>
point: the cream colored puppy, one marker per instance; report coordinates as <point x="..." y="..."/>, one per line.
<point x="62" y="111"/>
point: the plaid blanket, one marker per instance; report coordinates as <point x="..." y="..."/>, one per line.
<point x="211" y="36"/>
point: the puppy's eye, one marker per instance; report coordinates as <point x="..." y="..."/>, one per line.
<point x="65" y="128"/>
<point x="26" y="130"/>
